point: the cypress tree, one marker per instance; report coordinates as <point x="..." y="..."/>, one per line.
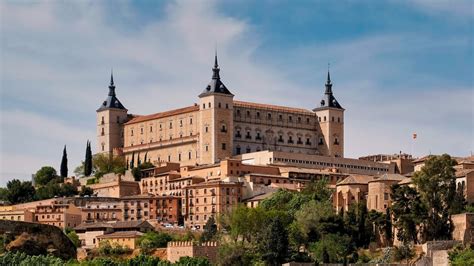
<point x="88" y="160"/>
<point x="132" y="162"/>
<point x="144" y="160"/>
<point x="138" y="160"/>
<point x="64" y="163"/>
<point x="388" y="227"/>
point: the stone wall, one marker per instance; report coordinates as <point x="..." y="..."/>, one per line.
<point x="178" y="249"/>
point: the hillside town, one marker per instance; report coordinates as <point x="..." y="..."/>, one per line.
<point x="219" y="178"/>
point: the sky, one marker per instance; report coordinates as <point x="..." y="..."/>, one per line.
<point x="398" y="68"/>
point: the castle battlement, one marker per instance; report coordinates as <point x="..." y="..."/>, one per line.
<point x="192" y="244"/>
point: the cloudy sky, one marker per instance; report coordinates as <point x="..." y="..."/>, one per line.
<point x="398" y="67"/>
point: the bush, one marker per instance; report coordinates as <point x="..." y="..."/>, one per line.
<point x="74" y="238"/>
<point x="403" y="252"/>
<point x="460" y="256"/>
<point x="154" y="239"/>
<point x="22" y="259"/>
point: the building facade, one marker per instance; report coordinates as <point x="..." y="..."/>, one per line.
<point x="218" y="127"/>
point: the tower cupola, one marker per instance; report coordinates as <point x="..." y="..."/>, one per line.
<point x="216" y="85"/>
<point x="111" y="102"/>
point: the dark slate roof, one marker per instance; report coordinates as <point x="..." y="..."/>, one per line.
<point x="328" y="99"/>
<point x="111" y="101"/>
<point x="216" y="85"/>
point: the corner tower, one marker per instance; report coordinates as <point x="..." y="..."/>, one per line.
<point x="331" y="121"/>
<point x="216" y="104"/>
<point x="110" y="118"/>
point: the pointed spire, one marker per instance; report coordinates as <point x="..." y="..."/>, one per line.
<point x="215" y="69"/>
<point x="329" y="77"/>
<point x="328" y="83"/>
<point x="112" y="86"/>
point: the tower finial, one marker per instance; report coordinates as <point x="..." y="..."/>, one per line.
<point x="329" y="76"/>
<point x="111" y="86"/>
<point x="215" y="69"/>
<point x="112" y="76"/>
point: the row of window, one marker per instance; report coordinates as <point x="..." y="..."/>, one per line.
<point x="331" y="164"/>
<point x="299" y="119"/>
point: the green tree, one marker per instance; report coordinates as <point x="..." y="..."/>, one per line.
<point x="388" y="227"/>
<point x="63" y="169"/>
<point x="74" y="238"/>
<point x="79" y="170"/>
<point x="137" y="171"/>
<point x="459" y="201"/>
<point x="108" y="163"/>
<point x="408" y="212"/>
<point x="45" y="175"/>
<point x="210" y="230"/>
<point x="461" y="256"/>
<point x="20" y="191"/>
<point x="235" y="254"/>
<point x="132" y="162"/>
<point x="194" y="261"/>
<point x="154" y="239"/>
<point x="88" y="160"/>
<point x="86" y="191"/>
<point x="274" y="242"/>
<point x="364" y="227"/>
<point x="332" y="248"/>
<point x="435" y="184"/>
<point x="3" y="194"/>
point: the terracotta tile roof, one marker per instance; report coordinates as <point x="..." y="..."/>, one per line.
<point x="122" y="234"/>
<point x="272" y="107"/>
<point x="260" y="196"/>
<point x="405" y="181"/>
<point x="356" y="179"/>
<point x="179" y="111"/>
<point x="463" y="172"/>
<point x="388" y="177"/>
<point x="131" y="224"/>
<point x="86" y="226"/>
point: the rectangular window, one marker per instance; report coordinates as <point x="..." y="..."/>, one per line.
<point x="223" y="146"/>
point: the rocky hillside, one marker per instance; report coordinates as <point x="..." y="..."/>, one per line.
<point x="36" y="239"/>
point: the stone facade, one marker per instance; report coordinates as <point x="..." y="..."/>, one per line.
<point x="176" y="250"/>
<point x="149" y="207"/>
<point x="115" y="187"/>
<point x="379" y="198"/>
<point x="201" y="201"/>
<point x="218" y="127"/>
<point x="58" y="214"/>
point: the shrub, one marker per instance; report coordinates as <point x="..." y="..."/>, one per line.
<point x="404" y="252"/>
<point x="22" y="259"/>
<point x="461" y="256"/>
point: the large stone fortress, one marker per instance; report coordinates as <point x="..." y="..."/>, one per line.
<point x="219" y="127"/>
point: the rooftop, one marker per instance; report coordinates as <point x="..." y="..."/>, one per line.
<point x="178" y="111"/>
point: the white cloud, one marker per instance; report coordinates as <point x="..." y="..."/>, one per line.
<point x="452" y="9"/>
<point x="56" y="58"/>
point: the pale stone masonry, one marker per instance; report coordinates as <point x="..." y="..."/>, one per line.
<point x="219" y="127"/>
<point x="178" y="249"/>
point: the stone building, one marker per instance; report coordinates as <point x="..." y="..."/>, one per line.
<point x="203" y="200"/>
<point x="115" y="186"/>
<point x="58" y="214"/>
<point x="17" y="215"/>
<point x="178" y="249"/>
<point x="379" y="198"/>
<point x="149" y="207"/>
<point x="102" y="211"/>
<point x="218" y="127"/>
<point x="352" y="190"/>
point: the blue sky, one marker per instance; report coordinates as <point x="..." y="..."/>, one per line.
<point x="398" y="67"/>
